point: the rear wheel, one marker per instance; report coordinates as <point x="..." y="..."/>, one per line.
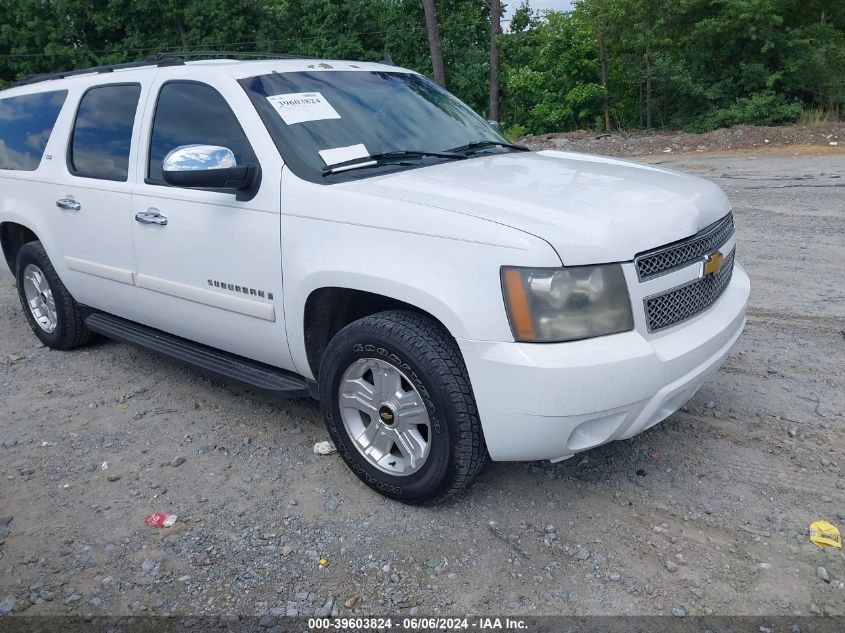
<point x="398" y="405"/>
<point x="52" y="312"/>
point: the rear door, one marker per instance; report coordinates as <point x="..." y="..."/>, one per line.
<point x="212" y="273"/>
<point x="90" y="198"/>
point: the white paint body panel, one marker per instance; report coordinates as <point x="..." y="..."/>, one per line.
<point x="30" y="199"/>
<point x="552" y="401"/>
<point x="442" y="262"/>
<point x="592" y="209"/>
<point x="434" y="237"/>
<point x="212" y="236"/>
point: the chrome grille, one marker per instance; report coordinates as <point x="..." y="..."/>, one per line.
<point x="667" y="258"/>
<point x="684" y="302"/>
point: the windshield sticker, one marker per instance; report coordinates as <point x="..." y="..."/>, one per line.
<point x="301" y="107"/>
<point x="343" y="154"/>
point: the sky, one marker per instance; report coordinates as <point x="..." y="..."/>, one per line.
<point x="538" y="5"/>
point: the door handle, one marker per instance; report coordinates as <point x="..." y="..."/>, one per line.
<point x="151" y="217"/>
<point x="68" y="203"/>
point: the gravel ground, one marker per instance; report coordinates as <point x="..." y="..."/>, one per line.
<point x="706" y="513"/>
<point x="741" y="137"/>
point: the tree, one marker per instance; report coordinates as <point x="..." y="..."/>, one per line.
<point x="495" y="31"/>
<point x="433" y="30"/>
<point x="522" y="19"/>
<point x="597" y="11"/>
<point x="696" y="64"/>
<point x="551" y="78"/>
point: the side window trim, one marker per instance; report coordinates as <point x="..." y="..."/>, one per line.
<point x="69" y="151"/>
<point x="154" y="98"/>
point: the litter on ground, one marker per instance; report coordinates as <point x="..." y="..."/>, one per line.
<point x="161" y="519"/>
<point x="324" y="448"/>
<point x="825" y="534"/>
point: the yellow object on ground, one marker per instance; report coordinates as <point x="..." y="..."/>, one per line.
<point x="825" y="534"/>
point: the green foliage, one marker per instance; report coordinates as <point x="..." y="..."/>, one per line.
<point x="523" y="18"/>
<point x="555" y="87"/>
<point x="762" y="108"/>
<point x="694" y="64"/>
<point x="819" y="116"/>
<point x="516" y="132"/>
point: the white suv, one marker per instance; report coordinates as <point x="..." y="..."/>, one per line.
<point x="351" y="231"/>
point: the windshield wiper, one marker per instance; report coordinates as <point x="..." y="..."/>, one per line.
<point x="477" y="146"/>
<point x="385" y="158"/>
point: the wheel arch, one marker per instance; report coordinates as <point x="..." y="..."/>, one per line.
<point x="12" y="236"/>
<point x="328" y="309"/>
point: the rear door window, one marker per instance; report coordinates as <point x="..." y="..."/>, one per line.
<point x="102" y="133"/>
<point x="26" y="123"/>
<point x="189" y="113"/>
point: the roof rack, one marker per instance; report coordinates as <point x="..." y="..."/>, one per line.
<point x="248" y="54"/>
<point x="159" y="60"/>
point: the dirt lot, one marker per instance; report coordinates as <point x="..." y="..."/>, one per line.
<point x="826" y="137"/>
<point x="705" y="513"/>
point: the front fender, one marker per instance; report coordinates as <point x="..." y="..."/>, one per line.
<point x="442" y="262"/>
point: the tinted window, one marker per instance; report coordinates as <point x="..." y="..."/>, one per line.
<point x="25" y="126"/>
<point x="102" y="134"/>
<point x="189" y="114"/>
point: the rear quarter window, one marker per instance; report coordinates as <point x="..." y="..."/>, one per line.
<point x="26" y="123"/>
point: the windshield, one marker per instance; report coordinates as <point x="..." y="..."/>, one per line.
<point x="324" y="118"/>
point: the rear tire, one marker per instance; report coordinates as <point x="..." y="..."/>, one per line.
<point x="398" y="405"/>
<point x="52" y="312"/>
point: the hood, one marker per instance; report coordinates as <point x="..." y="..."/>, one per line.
<point x="591" y="209"/>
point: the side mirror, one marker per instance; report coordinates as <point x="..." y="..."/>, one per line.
<point x="495" y="125"/>
<point x="206" y="167"/>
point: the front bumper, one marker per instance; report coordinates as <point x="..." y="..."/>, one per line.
<point x="550" y="401"/>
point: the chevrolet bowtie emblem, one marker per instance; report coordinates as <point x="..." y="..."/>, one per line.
<point x="713" y="264"/>
<point x="387" y="417"/>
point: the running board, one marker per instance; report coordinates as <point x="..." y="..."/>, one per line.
<point x="206" y="359"/>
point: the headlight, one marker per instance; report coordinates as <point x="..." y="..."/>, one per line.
<point x="547" y="305"/>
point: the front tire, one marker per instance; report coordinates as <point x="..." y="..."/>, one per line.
<point x="52" y="312"/>
<point x="398" y="405"/>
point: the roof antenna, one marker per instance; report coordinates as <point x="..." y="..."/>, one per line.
<point x="387" y="59"/>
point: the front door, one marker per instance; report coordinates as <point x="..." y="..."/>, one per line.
<point x="209" y="261"/>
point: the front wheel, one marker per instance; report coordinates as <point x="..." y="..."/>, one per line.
<point x="398" y="405"/>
